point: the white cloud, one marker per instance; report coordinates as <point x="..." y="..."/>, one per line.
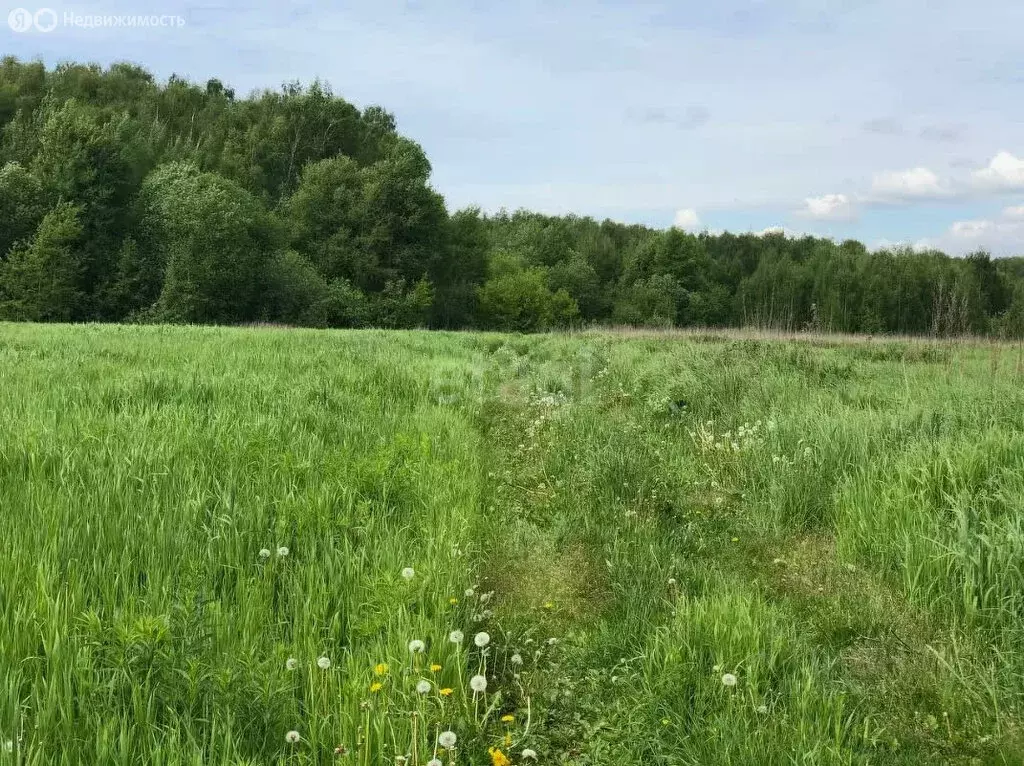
<point x="1015" y="213"/>
<point x="829" y="207"/>
<point x="1004" y="172"/>
<point x="920" y="246"/>
<point x="971" y="229"/>
<point x="686" y="219"/>
<point x="915" y="183"/>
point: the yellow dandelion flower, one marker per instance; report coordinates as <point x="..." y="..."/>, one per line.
<point x="498" y="758"/>
<point x="381" y="669"/>
<point x="453" y="601"/>
<point x="508" y="740"/>
<point x="435" y="668"/>
<point x="509" y="718"/>
<point x="445" y="692"/>
<point x="549" y="605"/>
<point x="376" y="686"/>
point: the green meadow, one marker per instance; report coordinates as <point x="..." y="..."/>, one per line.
<point x="254" y="546"/>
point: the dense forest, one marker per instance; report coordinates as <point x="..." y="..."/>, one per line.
<point x="125" y="199"/>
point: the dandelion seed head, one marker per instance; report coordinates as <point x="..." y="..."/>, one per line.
<point x="469" y="592"/>
<point x="447" y="739"/>
<point x="408" y="573"/>
<point x="530" y="754"/>
<point x="292" y="737"/>
<point x="434" y="762"/>
<point x="264" y="553"/>
<point x="291" y="663"/>
<point x="762" y="709"/>
<point x="552" y="641"/>
<point x="478" y="683"/>
<point x="323" y="663"/>
<point x="456" y="637"/>
<point x="282" y="551"/>
<point x="728" y="679"/>
<point x="416" y="646"/>
<point x="482" y="639"/>
<point x="516" y="659"/>
<point x="423" y="687"/>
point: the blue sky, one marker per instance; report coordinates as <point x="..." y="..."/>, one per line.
<point x="893" y="122"/>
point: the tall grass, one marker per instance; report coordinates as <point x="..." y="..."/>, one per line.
<point x="193" y="521"/>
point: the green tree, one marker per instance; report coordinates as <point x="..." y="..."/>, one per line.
<point x="215" y="240"/>
<point x="39" y="281"/>
<point x="21" y="205"/>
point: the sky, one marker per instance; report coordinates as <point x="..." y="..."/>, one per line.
<point x="892" y="122"/>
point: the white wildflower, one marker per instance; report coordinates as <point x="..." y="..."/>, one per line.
<point x="447" y="739"/>
<point x="481" y="639"/>
<point x="478" y="683"/>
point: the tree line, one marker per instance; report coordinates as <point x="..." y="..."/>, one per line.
<point x="124" y="199"/>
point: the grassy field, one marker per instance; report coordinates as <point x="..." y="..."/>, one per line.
<point x="252" y="546"/>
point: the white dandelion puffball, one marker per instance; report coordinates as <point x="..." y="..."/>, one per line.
<point x="323" y="663"/>
<point x="470" y="592"/>
<point x="552" y="641"/>
<point x="478" y="684"/>
<point x="456" y="637"/>
<point x="292" y="737"/>
<point x="447" y="739"/>
<point x="481" y="639"/>
<point x="265" y="553"/>
<point x="530" y="753"/>
<point x="728" y="679"/>
<point x="291" y="663"/>
<point x="672" y="581"/>
<point x="416" y="646"/>
<point x="423" y="687"/>
<point x="282" y="551"/>
<point x="434" y="762"/>
<point x="408" y="573"/>
<point x="516" y="659"/>
<point x="762" y="709"/>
